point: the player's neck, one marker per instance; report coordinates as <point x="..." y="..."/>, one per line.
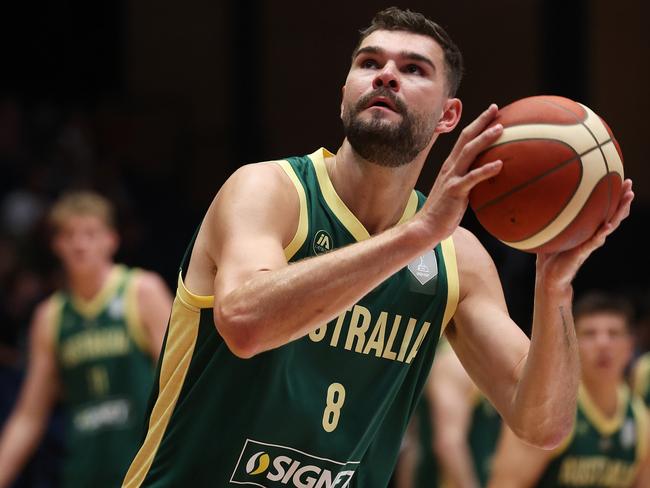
<point x="87" y="285"/>
<point x="604" y="394"/>
<point x="376" y="195"/>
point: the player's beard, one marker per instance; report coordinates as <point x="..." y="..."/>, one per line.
<point x="384" y="142"/>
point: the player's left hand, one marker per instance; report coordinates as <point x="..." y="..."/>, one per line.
<point x="560" y="268"/>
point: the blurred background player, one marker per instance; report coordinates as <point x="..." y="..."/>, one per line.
<point x="92" y="345"/>
<point x="608" y="445"/>
<point x="466" y="425"/>
<point x="457" y="428"/>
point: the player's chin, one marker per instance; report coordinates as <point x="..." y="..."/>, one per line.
<point x="384" y="113"/>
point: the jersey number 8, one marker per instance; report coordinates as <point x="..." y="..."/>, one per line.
<point x="335" y="400"/>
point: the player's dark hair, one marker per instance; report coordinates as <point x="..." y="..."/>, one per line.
<point x="396" y="19"/>
<point x="595" y="302"/>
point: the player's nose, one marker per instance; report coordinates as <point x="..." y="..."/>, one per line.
<point x="387" y="77"/>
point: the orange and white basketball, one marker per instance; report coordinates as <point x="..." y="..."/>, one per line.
<point x="561" y="177"/>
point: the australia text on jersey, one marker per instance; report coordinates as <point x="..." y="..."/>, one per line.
<point x="388" y="336"/>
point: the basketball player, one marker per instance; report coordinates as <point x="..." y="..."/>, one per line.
<point x="608" y="446"/>
<point x="311" y="299"/>
<point x="466" y="424"/>
<point x="92" y="345"/>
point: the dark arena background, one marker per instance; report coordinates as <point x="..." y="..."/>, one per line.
<point x="156" y="103"/>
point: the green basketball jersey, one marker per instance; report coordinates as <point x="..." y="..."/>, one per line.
<point x="601" y="452"/>
<point x="483" y="435"/>
<point x="641" y="380"/>
<point x="106" y="379"/>
<point x="326" y="410"/>
<point x="426" y="469"/>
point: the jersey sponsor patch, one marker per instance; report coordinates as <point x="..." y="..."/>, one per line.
<point x="322" y="242"/>
<point x="274" y="466"/>
<point x="111" y="413"/>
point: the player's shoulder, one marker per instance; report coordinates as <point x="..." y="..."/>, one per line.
<point x="45" y="316"/>
<point x="147" y="281"/>
<point x="260" y="175"/>
<point x="469" y="249"/>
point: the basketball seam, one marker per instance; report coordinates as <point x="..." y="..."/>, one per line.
<point x="549" y="223"/>
<point x="540" y="176"/>
<point x="598" y="145"/>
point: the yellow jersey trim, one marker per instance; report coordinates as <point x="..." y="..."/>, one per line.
<point x="133" y="316"/>
<point x="641" y="380"/>
<point x="411" y="208"/>
<point x="605" y="425"/>
<point x="195" y="302"/>
<point x="453" y="283"/>
<point x="91" y="308"/>
<point x="301" y="232"/>
<point x="177" y="355"/>
<point x="339" y="208"/>
<point x="643" y="424"/>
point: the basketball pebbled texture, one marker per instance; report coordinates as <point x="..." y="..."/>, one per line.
<point x="561" y="177"/>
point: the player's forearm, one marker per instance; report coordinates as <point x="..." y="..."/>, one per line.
<point x="19" y="439"/>
<point x="278" y="306"/>
<point x="545" y="399"/>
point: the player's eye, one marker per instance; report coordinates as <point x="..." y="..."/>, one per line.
<point x="413" y="69"/>
<point x="369" y="64"/>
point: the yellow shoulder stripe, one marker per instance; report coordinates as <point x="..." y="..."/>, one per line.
<point x="453" y="283"/>
<point x="641" y="416"/>
<point x="195" y="302"/>
<point x="301" y="232"/>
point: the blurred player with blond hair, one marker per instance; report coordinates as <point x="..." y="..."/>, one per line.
<point x="92" y="345"/>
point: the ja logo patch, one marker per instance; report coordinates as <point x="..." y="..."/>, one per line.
<point x="322" y="242"/>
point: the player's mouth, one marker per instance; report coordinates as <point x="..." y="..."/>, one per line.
<point x="382" y="102"/>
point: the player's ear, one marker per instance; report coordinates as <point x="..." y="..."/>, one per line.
<point x="342" y="97"/>
<point x="451" y="112"/>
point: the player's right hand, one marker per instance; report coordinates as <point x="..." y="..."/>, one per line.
<point x="449" y="196"/>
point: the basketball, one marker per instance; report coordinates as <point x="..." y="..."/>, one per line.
<point x="561" y="176"/>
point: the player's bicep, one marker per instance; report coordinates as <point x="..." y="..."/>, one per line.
<point x="253" y="218"/>
<point x="486" y="340"/>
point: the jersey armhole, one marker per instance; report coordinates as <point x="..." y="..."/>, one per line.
<point x="132" y="313"/>
<point x="453" y="284"/>
<point x="301" y="232"/>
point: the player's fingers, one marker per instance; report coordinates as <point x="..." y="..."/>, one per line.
<point x="623" y="209"/>
<point x="474" y="177"/>
<point x="473" y="129"/>
<point x="472" y="149"/>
